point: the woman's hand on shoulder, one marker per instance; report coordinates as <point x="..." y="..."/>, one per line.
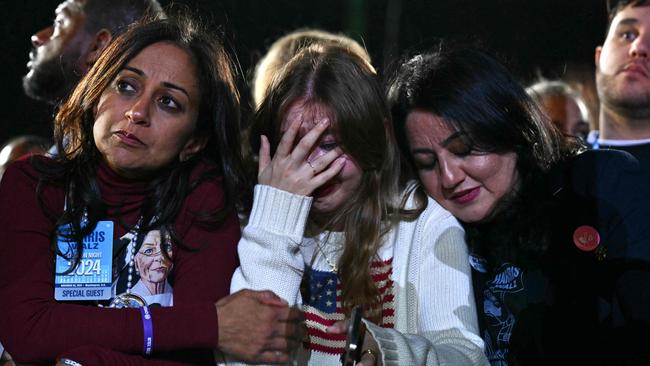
<point x="290" y="169"/>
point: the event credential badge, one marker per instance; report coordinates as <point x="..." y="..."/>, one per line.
<point x="92" y="278"/>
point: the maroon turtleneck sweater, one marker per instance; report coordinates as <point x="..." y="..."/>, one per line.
<point x="34" y="328"/>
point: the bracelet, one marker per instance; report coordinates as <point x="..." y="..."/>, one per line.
<point x="147" y="327"/>
<point x="67" y="361"/>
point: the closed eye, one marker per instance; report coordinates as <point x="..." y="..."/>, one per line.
<point x="425" y="164"/>
<point x="424" y="159"/>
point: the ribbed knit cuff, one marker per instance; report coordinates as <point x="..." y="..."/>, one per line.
<point x="279" y="211"/>
<point x="387" y="346"/>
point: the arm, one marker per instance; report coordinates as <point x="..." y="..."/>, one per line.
<point x="36" y="328"/>
<point x="269" y="249"/>
<point x="439" y="273"/>
<point x="101" y="356"/>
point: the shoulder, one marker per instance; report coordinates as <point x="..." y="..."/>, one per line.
<point x="433" y="220"/>
<point x="20" y="186"/>
<point x="435" y="214"/>
<point x="596" y="173"/>
<point x="604" y="159"/>
<point x="22" y="171"/>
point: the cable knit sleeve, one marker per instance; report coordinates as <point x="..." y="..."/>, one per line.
<point x="269" y="250"/>
<point x="439" y="323"/>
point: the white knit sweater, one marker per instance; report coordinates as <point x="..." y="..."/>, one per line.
<point x="435" y="317"/>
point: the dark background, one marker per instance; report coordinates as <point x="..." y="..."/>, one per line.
<point x="551" y="38"/>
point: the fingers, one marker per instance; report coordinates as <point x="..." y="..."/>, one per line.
<point x="321" y="162"/>
<point x="281" y="344"/>
<point x="251" y="329"/>
<point x="340" y="327"/>
<point x="265" y="154"/>
<point x="368" y="360"/>
<point x="286" y="142"/>
<point x="274" y="357"/>
<point x="370" y="355"/>
<point x="292" y="326"/>
<point x="331" y="172"/>
<point x="293" y="314"/>
<point x="304" y="146"/>
<point x="269" y="298"/>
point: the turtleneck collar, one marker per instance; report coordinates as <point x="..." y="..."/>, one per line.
<point x="120" y="191"/>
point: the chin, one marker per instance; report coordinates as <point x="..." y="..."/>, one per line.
<point x="472" y="217"/>
<point x="322" y="210"/>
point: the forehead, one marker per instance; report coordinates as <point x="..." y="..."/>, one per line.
<point x="70" y="6"/>
<point x="167" y="62"/>
<point x="152" y="237"/>
<point x="632" y="15"/>
<point x="425" y="128"/>
<point x="307" y="113"/>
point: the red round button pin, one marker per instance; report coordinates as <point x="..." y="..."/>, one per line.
<point x="586" y="238"/>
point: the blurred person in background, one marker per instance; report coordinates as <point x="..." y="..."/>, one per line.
<point x="64" y="51"/>
<point x="562" y="105"/>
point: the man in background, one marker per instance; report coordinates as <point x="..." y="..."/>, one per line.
<point x="623" y="81"/>
<point x="64" y="51"/>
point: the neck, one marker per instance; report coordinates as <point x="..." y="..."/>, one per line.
<point x="324" y="223"/>
<point x="616" y="126"/>
<point x="155" y="288"/>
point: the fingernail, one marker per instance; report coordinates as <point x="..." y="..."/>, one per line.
<point x="325" y="122"/>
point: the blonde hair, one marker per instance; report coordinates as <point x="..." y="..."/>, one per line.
<point x="287" y="46"/>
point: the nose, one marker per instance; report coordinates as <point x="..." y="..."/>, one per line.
<point x="42" y="37"/>
<point x="139" y="112"/>
<point x="639" y="47"/>
<point x="451" y="174"/>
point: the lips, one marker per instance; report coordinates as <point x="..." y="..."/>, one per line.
<point x="325" y="190"/>
<point x="635" y="68"/>
<point x="128" y="138"/>
<point x="466" y="196"/>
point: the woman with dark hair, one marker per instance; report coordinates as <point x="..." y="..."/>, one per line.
<point x="151" y="144"/>
<point x="544" y="222"/>
<point x="332" y="229"/>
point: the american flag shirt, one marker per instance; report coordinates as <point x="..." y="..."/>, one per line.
<point x="321" y="294"/>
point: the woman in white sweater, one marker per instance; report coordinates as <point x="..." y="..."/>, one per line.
<point x="332" y="227"/>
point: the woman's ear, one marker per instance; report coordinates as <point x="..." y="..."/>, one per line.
<point x="192" y="147"/>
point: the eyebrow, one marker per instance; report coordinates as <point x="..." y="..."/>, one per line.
<point x="166" y="84"/>
<point x="452" y="137"/>
<point x="444" y="143"/>
<point x="627" y="21"/>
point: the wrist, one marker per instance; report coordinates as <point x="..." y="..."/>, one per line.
<point x="147" y="331"/>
